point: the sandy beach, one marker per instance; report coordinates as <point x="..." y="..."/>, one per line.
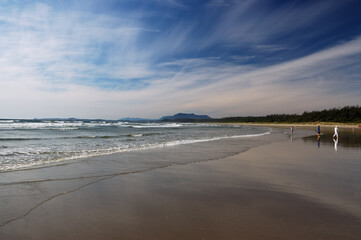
<point x="269" y="187"/>
<point x="305" y="125"/>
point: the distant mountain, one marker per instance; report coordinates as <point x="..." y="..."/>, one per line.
<point x="185" y="116"/>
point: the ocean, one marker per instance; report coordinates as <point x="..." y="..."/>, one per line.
<point x="28" y="144"/>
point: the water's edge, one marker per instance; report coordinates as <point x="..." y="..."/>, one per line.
<point x="28" y="189"/>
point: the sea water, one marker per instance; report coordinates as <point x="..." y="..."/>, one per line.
<point x="28" y="143"/>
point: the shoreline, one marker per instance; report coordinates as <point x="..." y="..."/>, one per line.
<point x="175" y="143"/>
<point x="270" y="190"/>
<point x="301" y="125"/>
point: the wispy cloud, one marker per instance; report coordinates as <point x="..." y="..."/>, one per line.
<point x="173" y="3"/>
<point x="220" y="3"/>
<point x="259" y="23"/>
<point x="58" y="46"/>
<point x="74" y="62"/>
<point x="220" y="88"/>
<point x="316" y="81"/>
<point x="312" y="82"/>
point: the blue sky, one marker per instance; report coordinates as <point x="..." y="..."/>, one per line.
<point x="149" y="58"/>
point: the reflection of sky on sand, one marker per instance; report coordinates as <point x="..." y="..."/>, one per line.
<point x="348" y="139"/>
<point x="320" y="173"/>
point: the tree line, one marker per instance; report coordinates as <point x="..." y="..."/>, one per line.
<point x="347" y="114"/>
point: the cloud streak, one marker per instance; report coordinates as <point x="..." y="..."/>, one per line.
<point x="72" y="63"/>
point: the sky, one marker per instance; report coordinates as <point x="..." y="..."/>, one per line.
<point x="149" y="58"/>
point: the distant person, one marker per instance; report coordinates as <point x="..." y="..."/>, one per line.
<point x="318" y="130"/>
<point x="335" y="135"/>
<point x="292" y="130"/>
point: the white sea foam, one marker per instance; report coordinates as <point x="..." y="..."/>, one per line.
<point x="6" y="121"/>
<point x="21" y="148"/>
<point x="152" y="125"/>
<point x="189" y="141"/>
<point x="137" y="135"/>
<point x="59" y="125"/>
<point x="8" y="166"/>
<point x="40" y="125"/>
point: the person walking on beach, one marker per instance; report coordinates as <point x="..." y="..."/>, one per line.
<point x="335" y="135"/>
<point x="318" y="135"/>
<point x="318" y="132"/>
<point x="292" y="134"/>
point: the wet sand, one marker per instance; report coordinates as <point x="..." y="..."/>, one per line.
<point x="278" y="190"/>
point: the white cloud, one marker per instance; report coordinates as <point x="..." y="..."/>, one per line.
<point x="45" y="42"/>
<point x="220" y="89"/>
<point x="256" y="23"/>
<point x="48" y="69"/>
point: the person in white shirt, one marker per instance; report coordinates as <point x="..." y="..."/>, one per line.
<point x="335" y="135"/>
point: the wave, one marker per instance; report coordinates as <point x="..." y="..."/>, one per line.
<point x="189" y="141"/>
<point x="143" y="134"/>
<point x="54" y="138"/>
<point x="61" y="125"/>
<point x="152" y="134"/>
<point x="7" y="154"/>
<point x="104" y="136"/>
<point x="6" y="121"/>
<point x="64" y="156"/>
<point x="134" y="135"/>
<point x="170" y="125"/>
<point x="21" y="139"/>
<point x="40" y="125"/>
<point x="80" y="137"/>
